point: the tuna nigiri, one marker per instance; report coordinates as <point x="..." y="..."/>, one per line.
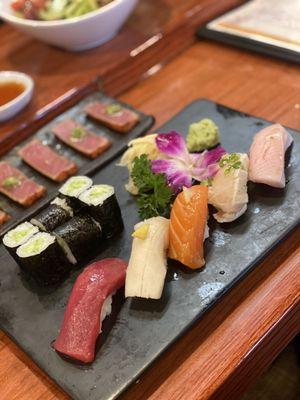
<point x="267" y="156"/>
<point x="147" y="268"/>
<point x="188" y="226"/>
<point x="88" y="305"/>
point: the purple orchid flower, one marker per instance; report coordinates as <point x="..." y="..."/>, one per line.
<point x="181" y="167"/>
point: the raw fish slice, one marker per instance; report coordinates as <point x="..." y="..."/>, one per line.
<point x="267" y="156"/>
<point x="80" y="138"/>
<point x="188" y="225"/>
<point x="147" y="266"/>
<point x="113" y="115"/>
<point x="4" y="217"/>
<point x="15" y="185"/>
<point x="228" y="192"/>
<point x="82" y="319"/>
<point x="46" y="161"/>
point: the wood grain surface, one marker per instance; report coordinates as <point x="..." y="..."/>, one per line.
<point x="156" y="32"/>
<point x="237" y="339"/>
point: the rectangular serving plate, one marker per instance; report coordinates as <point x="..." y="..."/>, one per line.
<point x="86" y="166"/>
<point x="144" y="329"/>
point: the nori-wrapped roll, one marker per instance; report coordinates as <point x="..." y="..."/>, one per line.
<point x="79" y="237"/>
<point x="18" y="236"/>
<point x="56" y="214"/>
<point x="43" y="258"/>
<point x="73" y="188"/>
<point x="103" y="206"/>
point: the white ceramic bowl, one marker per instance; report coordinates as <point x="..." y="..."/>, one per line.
<point x="76" y="34"/>
<point x="14" y="106"/>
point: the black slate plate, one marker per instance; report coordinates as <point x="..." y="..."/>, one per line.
<point x="86" y="166"/>
<point x="144" y="329"/>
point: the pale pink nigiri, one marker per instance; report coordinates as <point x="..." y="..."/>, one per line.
<point x="266" y="159"/>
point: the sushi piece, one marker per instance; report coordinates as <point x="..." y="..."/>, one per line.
<point x="113" y="115"/>
<point x="79" y="237"/>
<point x="228" y="192"/>
<point x="103" y="207"/>
<point x="16" y="186"/>
<point x="73" y="188"/>
<point x="80" y="138"/>
<point x="188" y="227"/>
<point x="46" y="161"/>
<point x="4" y="217"/>
<point x="57" y="213"/>
<point x="18" y="236"/>
<point x="147" y="268"/>
<point x="88" y="305"/>
<point x="43" y="258"/>
<point x="267" y="156"/>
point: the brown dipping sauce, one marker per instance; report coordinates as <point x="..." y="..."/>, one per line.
<point x="10" y="90"/>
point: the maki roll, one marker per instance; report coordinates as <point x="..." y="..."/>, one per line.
<point x="56" y="214"/>
<point x="43" y="258"/>
<point x="18" y="236"/>
<point x="79" y="237"/>
<point x="73" y="188"/>
<point x="103" y="207"/>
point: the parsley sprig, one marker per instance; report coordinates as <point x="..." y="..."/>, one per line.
<point x="154" y="194"/>
<point x="230" y="162"/>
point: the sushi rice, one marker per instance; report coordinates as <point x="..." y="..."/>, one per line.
<point x="19" y="235"/>
<point x="75" y="186"/>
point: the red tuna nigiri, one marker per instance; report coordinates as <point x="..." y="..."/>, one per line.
<point x="4" y="217"/>
<point x="82" y="320"/>
<point x="81" y="138"/>
<point x="47" y="161"/>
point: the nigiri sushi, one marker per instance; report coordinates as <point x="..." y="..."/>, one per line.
<point x="147" y="268"/>
<point x="267" y="156"/>
<point x="188" y="226"/>
<point x="228" y="192"/>
<point x="88" y="305"/>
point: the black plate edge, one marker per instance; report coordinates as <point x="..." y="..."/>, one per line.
<point x="249" y="44"/>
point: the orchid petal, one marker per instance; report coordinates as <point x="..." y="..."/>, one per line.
<point x="173" y="145"/>
<point x="212" y="156"/>
<point x="176" y="173"/>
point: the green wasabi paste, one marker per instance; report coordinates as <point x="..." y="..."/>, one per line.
<point x="202" y="135"/>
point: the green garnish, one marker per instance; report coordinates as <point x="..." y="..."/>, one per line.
<point x="230" y="162"/>
<point x="113" y="109"/>
<point x="154" y="194"/>
<point x="77" y="134"/>
<point x="207" y="182"/>
<point x="10" y="182"/>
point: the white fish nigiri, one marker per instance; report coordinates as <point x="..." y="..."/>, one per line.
<point x="228" y="193"/>
<point x="267" y="156"/>
<point x="147" y="266"/>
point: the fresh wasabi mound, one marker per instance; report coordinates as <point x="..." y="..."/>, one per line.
<point x="202" y="135"/>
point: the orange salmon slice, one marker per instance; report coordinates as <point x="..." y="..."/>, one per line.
<point x="187" y="226"/>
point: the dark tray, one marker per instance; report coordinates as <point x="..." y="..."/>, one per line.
<point x="86" y="166"/>
<point x="144" y="329"/>
<point x="249" y="44"/>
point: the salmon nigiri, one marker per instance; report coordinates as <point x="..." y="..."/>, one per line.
<point x="267" y="156"/>
<point x="188" y="227"/>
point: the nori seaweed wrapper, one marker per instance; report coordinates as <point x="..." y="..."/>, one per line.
<point x="82" y="234"/>
<point x="74" y="203"/>
<point x="47" y="268"/>
<point x="108" y="214"/>
<point x="52" y="217"/>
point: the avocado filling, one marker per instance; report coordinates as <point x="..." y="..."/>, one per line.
<point x="97" y="194"/>
<point x="18" y="236"/>
<point x="75" y="186"/>
<point x="36" y="245"/>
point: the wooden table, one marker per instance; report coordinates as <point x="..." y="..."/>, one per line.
<point x="237" y="339"/>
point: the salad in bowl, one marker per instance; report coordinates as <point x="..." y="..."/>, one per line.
<point x="49" y="10"/>
<point x="70" y="24"/>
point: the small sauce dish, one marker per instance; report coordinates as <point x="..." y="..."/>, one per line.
<point x="16" y="90"/>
